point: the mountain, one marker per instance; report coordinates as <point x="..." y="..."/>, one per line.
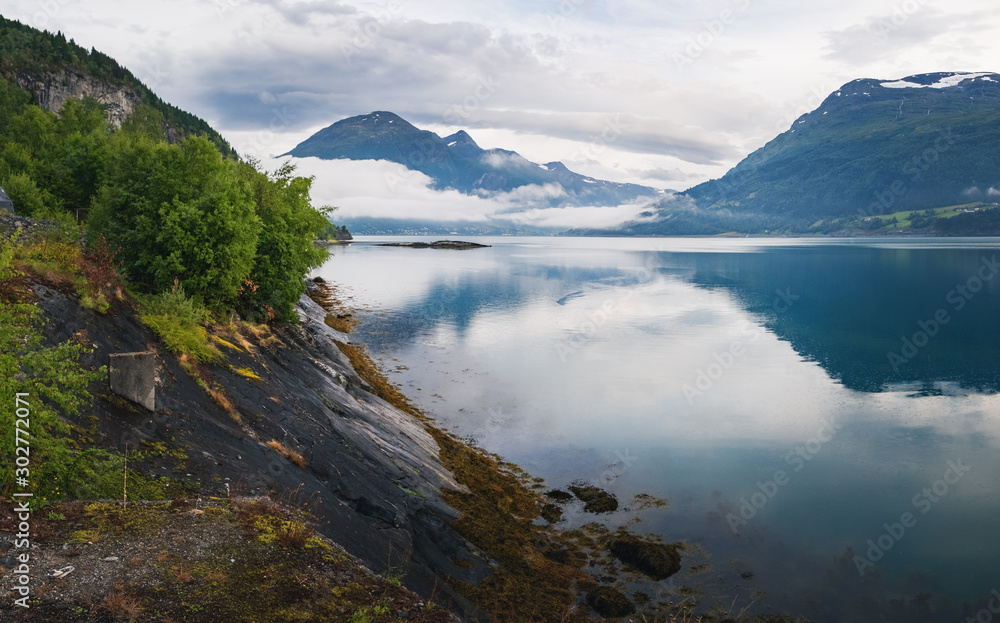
<point x="874" y="151"/>
<point x="457" y="162"/>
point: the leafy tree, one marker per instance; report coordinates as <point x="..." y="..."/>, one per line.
<point x="53" y="164"/>
<point x="177" y="212"/>
<point x="12" y="102"/>
<point x="28" y="198"/>
<point x="147" y="121"/>
<point x="285" y="251"/>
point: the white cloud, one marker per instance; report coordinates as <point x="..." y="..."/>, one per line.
<point x="529" y="194"/>
<point x="557" y="71"/>
<point x="381" y="189"/>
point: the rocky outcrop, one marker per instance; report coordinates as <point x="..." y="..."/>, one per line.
<point x="370" y="473"/>
<point x="11" y="223"/>
<point x="53" y="89"/>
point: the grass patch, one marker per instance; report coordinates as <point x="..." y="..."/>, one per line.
<point x="112" y="518"/>
<point x="221" y="342"/>
<point x="291" y="455"/>
<point x="178" y="320"/>
<point x="247" y="373"/>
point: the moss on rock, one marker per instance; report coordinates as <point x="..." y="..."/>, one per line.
<point x="595" y="499"/>
<point x="654" y="559"/>
<point x="609" y="602"/>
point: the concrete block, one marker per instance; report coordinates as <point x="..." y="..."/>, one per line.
<point x="133" y="376"/>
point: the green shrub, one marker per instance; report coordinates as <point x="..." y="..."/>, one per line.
<point x="178" y="320"/>
<point x="52" y="385"/>
<point x="177" y="212"/>
<point x="29" y="200"/>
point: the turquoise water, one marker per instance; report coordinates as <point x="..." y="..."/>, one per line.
<point x="821" y="416"/>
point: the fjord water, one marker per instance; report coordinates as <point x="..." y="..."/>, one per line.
<point x="820" y="415"/>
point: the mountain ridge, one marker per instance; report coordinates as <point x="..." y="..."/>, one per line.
<point x="871" y="149"/>
<point x="458" y="162"/>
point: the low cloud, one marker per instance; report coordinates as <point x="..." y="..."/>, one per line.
<point x="386" y="190"/>
<point x="501" y="160"/>
<point x="527" y="195"/>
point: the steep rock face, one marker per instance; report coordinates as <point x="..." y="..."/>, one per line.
<point x="53" y="89"/>
<point x="371" y="474"/>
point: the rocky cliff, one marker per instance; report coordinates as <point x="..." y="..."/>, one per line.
<point x="53" y="89"/>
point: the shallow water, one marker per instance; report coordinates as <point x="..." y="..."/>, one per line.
<point x="791" y="399"/>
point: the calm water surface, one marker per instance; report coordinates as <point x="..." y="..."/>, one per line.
<point x="821" y="416"/>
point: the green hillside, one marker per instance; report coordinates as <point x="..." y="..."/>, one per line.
<point x="26" y="49"/>
<point x="873" y="150"/>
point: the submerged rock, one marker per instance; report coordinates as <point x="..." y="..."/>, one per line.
<point x="558" y="496"/>
<point x="595" y="499"/>
<point x="656" y="560"/>
<point x="551" y="513"/>
<point x="609" y="602"/>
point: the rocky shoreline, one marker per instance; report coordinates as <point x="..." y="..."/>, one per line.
<point x="370" y="472"/>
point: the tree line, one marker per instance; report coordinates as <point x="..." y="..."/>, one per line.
<point x="229" y="234"/>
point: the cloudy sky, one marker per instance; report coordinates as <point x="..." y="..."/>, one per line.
<point x="665" y="93"/>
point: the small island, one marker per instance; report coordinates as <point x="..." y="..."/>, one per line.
<point x="437" y="244"/>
